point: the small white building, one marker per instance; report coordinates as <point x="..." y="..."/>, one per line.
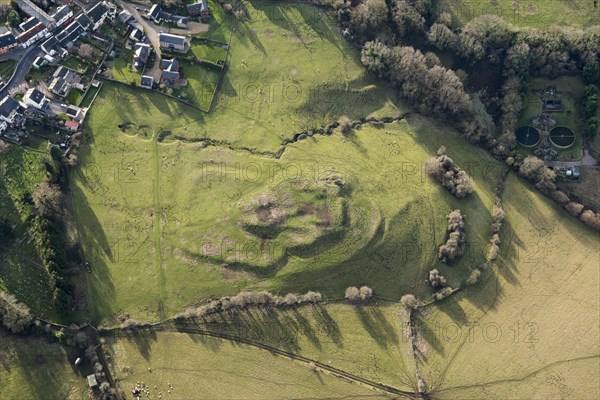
<point x="35" y="98"/>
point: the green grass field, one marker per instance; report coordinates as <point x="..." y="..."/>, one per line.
<point x="6" y="68"/>
<point x="170" y="223"/>
<point x="121" y="68"/>
<point x="290" y="70"/>
<point x="220" y="24"/>
<point x="199" y="367"/>
<point x="536" y="311"/>
<point x="532" y="13"/>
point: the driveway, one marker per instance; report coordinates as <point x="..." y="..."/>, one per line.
<point x="152" y="31"/>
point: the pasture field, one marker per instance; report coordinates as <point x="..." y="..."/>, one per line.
<point x="32" y="368"/>
<point x="536" y="311"/>
<point x="290" y="70"/>
<point x="166" y="223"/>
<point x="200" y="367"/>
<point x="369" y="341"/>
<point x="21" y="272"/>
<point x="540" y="14"/>
<point x="220" y="24"/>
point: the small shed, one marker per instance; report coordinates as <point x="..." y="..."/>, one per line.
<point x="92" y="382"/>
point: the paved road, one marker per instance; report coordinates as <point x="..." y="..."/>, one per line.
<point x="586" y="161"/>
<point x="23" y="67"/>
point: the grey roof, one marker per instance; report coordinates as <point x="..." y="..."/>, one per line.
<point x="50" y="43"/>
<point x="198" y="7"/>
<point x="136" y="34"/>
<point x="125" y="16"/>
<point x="147" y="80"/>
<point x="155" y="10"/>
<point x="70" y="34"/>
<point x="62" y="12"/>
<point x="28" y="24"/>
<point x="72" y="111"/>
<point x="37" y="96"/>
<point x="97" y="12"/>
<point x="169" y="65"/>
<point x="7" y="39"/>
<point x="84" y="21"/>
<point x="38" y="61"/>
<point x="8" y="105"/>
<point x="171" y="39"/>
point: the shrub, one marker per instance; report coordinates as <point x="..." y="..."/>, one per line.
<point x="365" y="293"/>
<point x="352" y="293"/>
<point x="591" y="219"/>
<point x="473" y="277"/>
<point x="345" y="124"/>
<point x="574" y="208"/>
<point x="436" y="280"/>
<point x="442" y="294"/>
<point x="409" y="300"/>
<point x="443" y="168"/>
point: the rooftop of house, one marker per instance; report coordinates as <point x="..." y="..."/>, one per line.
<point x="35" y="95"/>
<point x="28" y="24"/>
<point x="97" y="12"/>
<point x="199" y="5"/>
<point x="125" y="16"/>
<point x="147" y="81"/>
<point x="155" y="11"/>
<point x="25" y="36"/>
<point x="171" y="65"/>
<point x="50" y="43"/>
<point x="8" y="105"/>
<point x="61" y="12"/>
<point x="7" y="39"/>
<point x="73" y="111"/>
<point x="136" y="34"/>
<point x="84" y="21"/>
<point x="171" y="39"/>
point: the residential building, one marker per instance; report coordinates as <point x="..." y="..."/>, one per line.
<point x="84" y="21"/>
<point x="62" y="15"/>
<point x="136" y="34"/>
<point x="147" y="82"/>
<point x="28" y="24"/>
<point x="35" y="98"/>
<point x="172" y="42"/>
<point x="155" y="13"/>
<point x="72" y="126"/>
<point x="68" y="36"/>
<point x="8" y="41"/>
<point x="10" y="110"/>
<point x="170" y="72"/>
<point x="141" y="52"/>
<point x="33" y="35"/>
<point x="38" y="63"/>
<point x="199" y="8"/>
<point x="62" y="81"/>
<point x="98" y="15"/>
<point x="125" y="16"/>
<point x="29" y="8"/>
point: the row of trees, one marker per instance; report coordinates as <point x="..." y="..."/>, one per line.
<point x="244" y="300"/>
<point x="363" y="293"/>
<point x="591" y="75"/>
<point x="456" y="238"/>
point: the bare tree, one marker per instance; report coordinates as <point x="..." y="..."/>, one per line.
<point x="85" y="51"/>
<point x="365" y="293"/>
<point x="352" y="293"/>
<point x="15" y="316"/>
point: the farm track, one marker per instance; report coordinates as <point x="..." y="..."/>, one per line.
<point x="380" y="387"/>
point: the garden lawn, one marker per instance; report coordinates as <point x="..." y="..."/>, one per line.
<point x="183" y="366"/>
<point x="208" y="52"/>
